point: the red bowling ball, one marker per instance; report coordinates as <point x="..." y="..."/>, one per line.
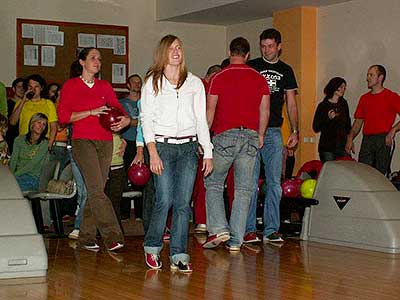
<point x="346" y="158"/>
<point x="291" y="188"/>
<point x="139" y="174"/>
<point x="111" y="117"/>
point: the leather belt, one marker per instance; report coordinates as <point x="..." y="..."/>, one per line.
<point x="175" y="140"/>
<point x="60" y="144"/>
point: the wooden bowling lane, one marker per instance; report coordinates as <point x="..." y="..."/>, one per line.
<point x="296" y="270"/>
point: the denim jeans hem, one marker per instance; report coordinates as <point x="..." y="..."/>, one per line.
<point x="183" y="257"/>
<point x="152" y="250"/>
<point x="233" y="244"/>
<point x="269" y="231"/>
<point x="219" y="230"/>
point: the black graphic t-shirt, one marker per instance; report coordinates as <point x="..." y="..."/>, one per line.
<point x="280" y="78"/>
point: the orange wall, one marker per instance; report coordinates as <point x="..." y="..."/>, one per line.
<point x="298" y="27"/>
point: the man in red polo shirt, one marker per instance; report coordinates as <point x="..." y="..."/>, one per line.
<point x="377" y="111"/>
<point x="238" y="110"/>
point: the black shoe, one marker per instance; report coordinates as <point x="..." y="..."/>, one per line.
<point x="183" y="267"/>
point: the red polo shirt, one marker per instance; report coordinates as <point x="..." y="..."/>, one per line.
<point x="378" y="111"/>
<point x="239" y="89"/>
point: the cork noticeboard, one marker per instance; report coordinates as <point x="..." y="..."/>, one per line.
<point x="48" y="48"/>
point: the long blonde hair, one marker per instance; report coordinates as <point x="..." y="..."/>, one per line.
<point x="161" y="60"/>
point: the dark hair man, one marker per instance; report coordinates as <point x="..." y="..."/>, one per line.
<point x="282" y="84"/>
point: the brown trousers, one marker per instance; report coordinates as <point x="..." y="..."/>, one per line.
<point x="94" y="159"/>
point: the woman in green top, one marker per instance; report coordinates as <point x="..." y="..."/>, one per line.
<point x="29" y="152"/>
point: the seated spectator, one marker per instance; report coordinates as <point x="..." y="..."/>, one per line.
<point x="3" y="144"/>
<point x="53" y="92"/>
<point x="30" y="150"/>
<point x="18" y="87"/>
<point x="32" y="103"/>
<point x="59" y="149"/>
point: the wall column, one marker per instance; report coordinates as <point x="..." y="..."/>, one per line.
<point x="298" y="27"/>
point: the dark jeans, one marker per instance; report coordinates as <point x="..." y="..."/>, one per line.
<point x="329" y="156"/>
<point x="174" y="188"/>
<point x="148" y="196"/>
<point x="94" y="159"/>
<point x="375" y="153"/>
<point x="129" y="155"/>
<point x="114" y="189"/>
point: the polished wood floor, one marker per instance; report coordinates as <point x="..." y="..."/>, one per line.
<point x="297" y="270"/>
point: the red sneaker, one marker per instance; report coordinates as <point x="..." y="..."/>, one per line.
<point x="115" y="246"/>
<point x="251" y="237"/>
<point x="216" y="239"/>
<point x="153" y="261"/>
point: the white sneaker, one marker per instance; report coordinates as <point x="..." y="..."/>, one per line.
<point x="74" y="235"/>
<point x="200" y="228"/>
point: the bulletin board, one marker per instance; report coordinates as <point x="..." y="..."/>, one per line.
<point x="48" y="48"/>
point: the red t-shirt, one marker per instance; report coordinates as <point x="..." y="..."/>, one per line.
<point x="239" y="89"/>
<point x="76" y="96"/>
<point x="378" y="111"/>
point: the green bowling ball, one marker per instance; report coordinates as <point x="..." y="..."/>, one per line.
<point x="307" y="188"/>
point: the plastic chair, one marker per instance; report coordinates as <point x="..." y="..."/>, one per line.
<point x="53" y="198"/>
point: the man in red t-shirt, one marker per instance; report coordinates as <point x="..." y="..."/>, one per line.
<point x="238" y="113"/>
<point x="376" y="111"/>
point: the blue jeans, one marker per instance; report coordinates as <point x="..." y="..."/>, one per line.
<point x="173" y="188"/>
<point x="237" y="147"/>
<point x="27" y="182"/>
<point x="271" y="154"/>
<point x="81" y="191"/>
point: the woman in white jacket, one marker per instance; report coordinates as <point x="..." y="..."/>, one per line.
<point x="174" y="124"/>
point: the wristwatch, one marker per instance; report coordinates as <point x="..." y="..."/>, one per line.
<point x="295" y="131"/>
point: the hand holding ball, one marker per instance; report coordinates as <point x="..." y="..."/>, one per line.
<point x="139" y="174"/>
<point x="110" y="117"/>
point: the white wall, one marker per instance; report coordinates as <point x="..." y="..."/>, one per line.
<point x="203" y="44"/>
<point x="249" y="30"/>
<point x="353" y="36"/>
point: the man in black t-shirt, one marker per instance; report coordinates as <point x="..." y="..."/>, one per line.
<point x="282" y="85"/>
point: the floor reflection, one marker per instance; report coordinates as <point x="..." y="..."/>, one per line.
<point x="294" y="270"/>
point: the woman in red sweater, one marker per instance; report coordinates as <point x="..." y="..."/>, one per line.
<point x="83" y="100"/>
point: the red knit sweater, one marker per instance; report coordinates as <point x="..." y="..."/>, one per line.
<point x="76" y="96"/>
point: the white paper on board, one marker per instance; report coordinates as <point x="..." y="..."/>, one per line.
<point x="48" y="56"/>
<point x="27" y="31"/>
<point x="119" y="45"/>
<point x="86" y="40"/>
<point x="55" y="38"/>
<point x="118" y="73"/>
<point x="31" y="55"/>
<point x="105" y="41"/>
